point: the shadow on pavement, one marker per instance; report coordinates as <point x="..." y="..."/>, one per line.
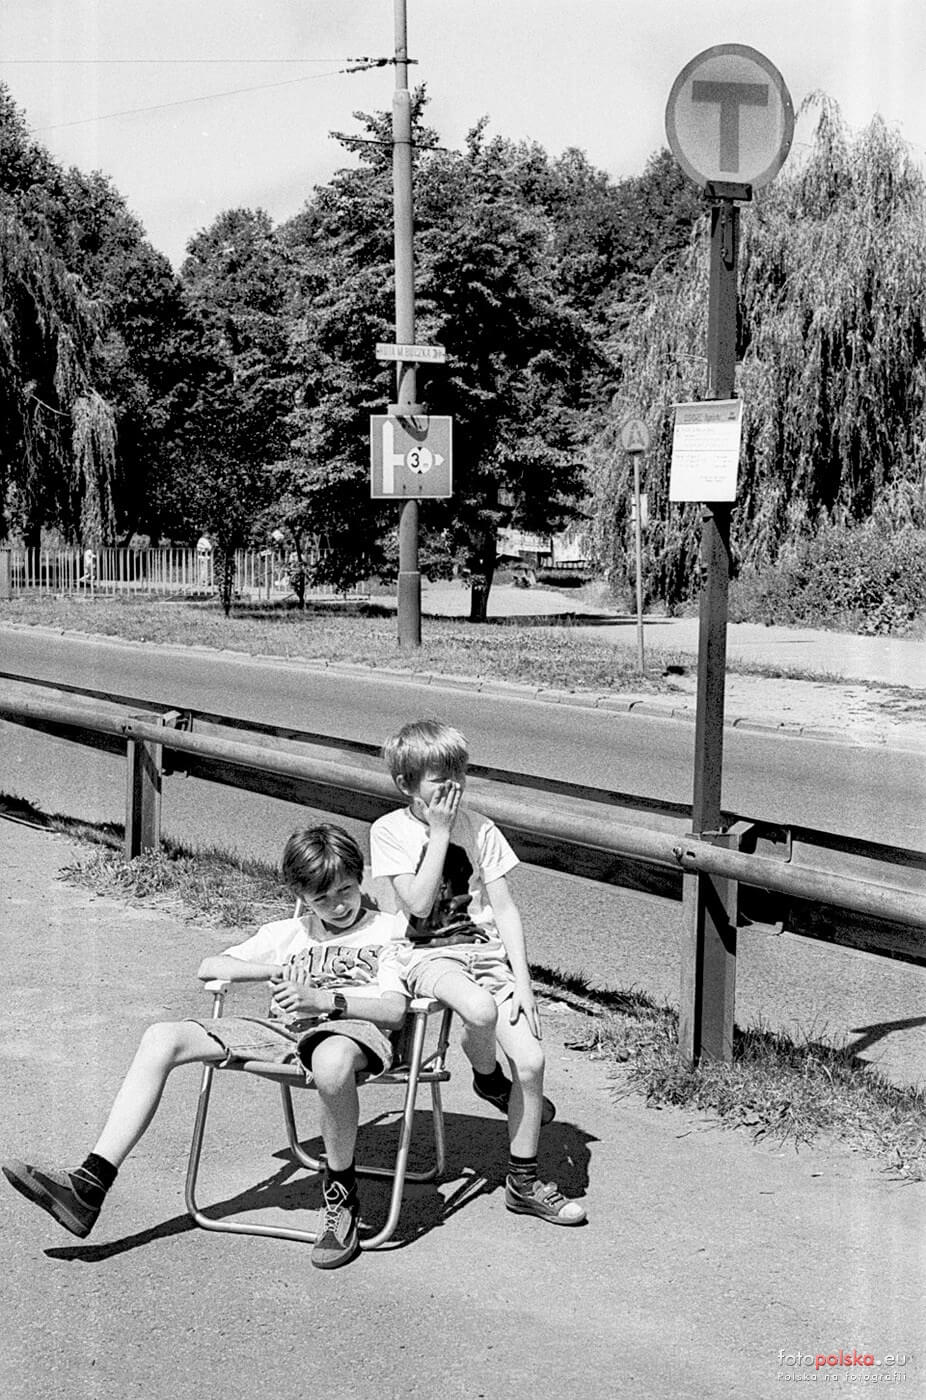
<point x="565" y="1159"/>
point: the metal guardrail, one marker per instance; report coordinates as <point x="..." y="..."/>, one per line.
<point x="637" y="844"/>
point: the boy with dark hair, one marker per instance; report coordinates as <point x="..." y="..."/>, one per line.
<point x="334" y="1002"/>
<point x="465" y="944"/>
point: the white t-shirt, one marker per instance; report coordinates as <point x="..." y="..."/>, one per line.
<point x="477" y="854"/>
<point x="348" y="961"/>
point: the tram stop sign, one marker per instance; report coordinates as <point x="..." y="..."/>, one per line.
<point x="729" y="118"/>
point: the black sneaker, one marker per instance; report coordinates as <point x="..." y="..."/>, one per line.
<point x="338" y="1230"/>
<point x="543" y="1199"/>
<point x="55" y="1192"/>
<point x="500" y="1099"/>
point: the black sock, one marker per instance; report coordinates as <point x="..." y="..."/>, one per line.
<point x="93" y="1178"/>
<point x="346" y="1177"/>
<point x="522" y="1171"/>
<point x="493" y="1082"/>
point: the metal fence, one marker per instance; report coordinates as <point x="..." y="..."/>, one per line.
<point x="876" y="900"/>
<point x="259" y="573"/>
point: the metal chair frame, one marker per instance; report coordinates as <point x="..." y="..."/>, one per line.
<point x="415" y="1068"/>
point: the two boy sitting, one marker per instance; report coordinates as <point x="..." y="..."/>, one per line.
<point x="340" y="974"/>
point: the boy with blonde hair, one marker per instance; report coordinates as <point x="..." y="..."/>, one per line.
<point x="335" y="1002"/>
<point x="465" y="942"/>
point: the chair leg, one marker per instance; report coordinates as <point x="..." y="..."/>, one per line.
<point x="405" y="1140"/>
<point x="208" y="1222"/>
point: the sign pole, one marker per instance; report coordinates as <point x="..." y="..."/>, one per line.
<point x="730" y="124"/>
<point x="706" y="1011"/>
<point x="409" y="583"/>
<point x="635" y="441"/>
<point x="638" y="542"/>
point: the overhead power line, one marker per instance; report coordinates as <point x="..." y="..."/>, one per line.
<point x="364" y="59"/>
<point x="359" y="66"/>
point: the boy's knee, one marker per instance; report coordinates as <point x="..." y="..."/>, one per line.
<point x="529" y="1061"/>
<point x="480" y="1010"/>
<point x="334" y="1063"/>
<point x="165" y="1041"/>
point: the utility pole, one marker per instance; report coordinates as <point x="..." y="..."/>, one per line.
<point x="409" y="588"/>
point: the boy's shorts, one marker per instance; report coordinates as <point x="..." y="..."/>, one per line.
<point x="486" y="969"/>
<point x="270" y="1040"/>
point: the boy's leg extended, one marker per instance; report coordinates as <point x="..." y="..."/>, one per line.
<point x="163" y="1048"/>
<point x="75" y="1197"/>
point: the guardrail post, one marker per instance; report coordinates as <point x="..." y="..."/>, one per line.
<point x="708" y="961"/>
<point x="143" y="792"/>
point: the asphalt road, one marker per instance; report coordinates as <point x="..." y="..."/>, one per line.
<point x="609" y="937"/>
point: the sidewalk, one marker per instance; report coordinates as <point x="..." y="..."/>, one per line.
<point x="852" y="689"/>
<point x="711" y="1267"/>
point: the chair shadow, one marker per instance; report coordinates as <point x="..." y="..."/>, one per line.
<point x="477" y="1154"/>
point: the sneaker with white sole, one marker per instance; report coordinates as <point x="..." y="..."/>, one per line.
<point x="55" y="1192"/>
<point x="338" y="1229"/>
<point x="543" y="1199"/>
<point x="500" y="1100"/>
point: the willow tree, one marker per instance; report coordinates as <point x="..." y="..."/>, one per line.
<point x="831" y="360"/>
<point x="57" y="433"/>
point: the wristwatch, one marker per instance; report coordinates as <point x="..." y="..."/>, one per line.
<point x="339" y="1008"/>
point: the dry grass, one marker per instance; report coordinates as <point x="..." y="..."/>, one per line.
<point x="775" y="1087"/>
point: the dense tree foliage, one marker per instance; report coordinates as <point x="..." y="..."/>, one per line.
<point x="57" y="456"/>
<point x="490" y="288"/>
<point x="831" y="368"/>
<point x="96" y="350"/>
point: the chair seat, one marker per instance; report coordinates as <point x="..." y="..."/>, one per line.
<point x="294" y="1076"/>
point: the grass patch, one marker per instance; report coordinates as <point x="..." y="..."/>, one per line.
<point x="204" y="885"/>
<point x="540" y="652"/>
<point x="549" y="655"/>
<point x="774" y="1088"/>
<point x="207" y="886"/>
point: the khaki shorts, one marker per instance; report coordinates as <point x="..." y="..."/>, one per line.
<point x="485" y="969"/>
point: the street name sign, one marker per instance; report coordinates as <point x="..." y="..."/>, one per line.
<point x="706" y="450"/>
<point x="411" y="457"/>
<point x="412" y="354"/>
<point x="729" y="117"/>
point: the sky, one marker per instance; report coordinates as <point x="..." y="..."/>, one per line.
<point x="195" y="108"/>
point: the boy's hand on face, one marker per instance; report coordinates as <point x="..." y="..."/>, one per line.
<point x="442" y="810"/>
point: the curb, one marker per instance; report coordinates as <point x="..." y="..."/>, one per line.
<point x="643" y="706"/>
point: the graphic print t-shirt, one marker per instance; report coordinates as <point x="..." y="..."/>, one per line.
<point x="477" y="854"/>
<point x="348" y="962"/>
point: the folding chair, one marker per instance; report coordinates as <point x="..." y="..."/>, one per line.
<point x="412" y="1068"/>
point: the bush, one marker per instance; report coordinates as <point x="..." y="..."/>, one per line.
<point x="860" y="580"/>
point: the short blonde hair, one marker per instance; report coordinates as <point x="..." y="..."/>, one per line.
<point x="426" y="745"/>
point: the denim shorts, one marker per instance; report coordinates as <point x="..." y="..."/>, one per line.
<point x="486" y="969"/>
<point x="271" y="1040"/>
